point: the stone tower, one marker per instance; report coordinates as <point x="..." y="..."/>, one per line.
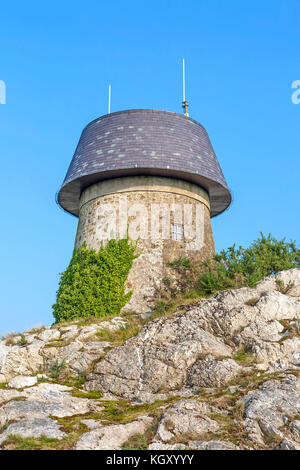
<point x="155" y="174"/>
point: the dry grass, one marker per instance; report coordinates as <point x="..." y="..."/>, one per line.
<point x="120" y="335"/>
<point x="120" y="412"/>
<point x="284" y="288"/>
<point x="245" y="358"/>
<point x="252" y="302"/>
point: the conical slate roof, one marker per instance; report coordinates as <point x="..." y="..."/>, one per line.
<point x="144" y="142"/>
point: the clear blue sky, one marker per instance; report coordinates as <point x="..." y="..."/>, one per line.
<point x="57" y="59"/>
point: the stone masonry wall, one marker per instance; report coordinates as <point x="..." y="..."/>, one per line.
<point x="147" y="207"/>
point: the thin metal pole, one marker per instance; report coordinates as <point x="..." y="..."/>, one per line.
<point x="185" y="103"/>
<point x="109" y="96"/>
<point x="183" y="81"/>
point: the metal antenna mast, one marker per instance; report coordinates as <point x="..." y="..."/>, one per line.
<point x="185" y="104"/>
<point x="109" y="97"/>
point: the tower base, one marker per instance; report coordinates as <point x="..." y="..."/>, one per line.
<point x="167" y="218"/>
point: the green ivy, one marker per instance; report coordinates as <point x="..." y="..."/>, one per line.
<point x="93" y="284"/>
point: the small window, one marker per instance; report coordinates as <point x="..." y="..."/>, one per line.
<point x="177" y="232"/>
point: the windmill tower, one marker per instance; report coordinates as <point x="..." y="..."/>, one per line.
<point x="155" y="173"/>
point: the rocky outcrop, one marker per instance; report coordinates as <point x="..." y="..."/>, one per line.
<point x="43" y="348"/>
<point x="192" y="346"/>
<point x="219" y="374"/>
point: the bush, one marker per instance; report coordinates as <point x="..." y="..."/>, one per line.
<point x="237" y="267"/>
<point x="94" y="282"/>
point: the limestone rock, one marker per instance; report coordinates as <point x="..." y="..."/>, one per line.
<point x="48" y="334"/>
<point x="157" y="445"/>
<point x="156" y="359"/>
<point x="211" y="373"/>
<point x="212" y="445"/>
<point x="287" y="444"/>
<point x="7" y="394"/>
<point x="164" y="356"/>
<point x="33" y="427"/>
<point x="186" y="417"/>
<point x="189" y="355"/>
<point x="111" y="437"/>
<point x="291" y="276"/>
<point x="22" y="381"/>
<point x="268" y="409"/>
<point x="76" y="356"/>
<point x="45" y="400"/>
<point x="16" y="360"/>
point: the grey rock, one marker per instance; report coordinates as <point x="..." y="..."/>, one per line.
<point x="211" y="373"/>
<point x="266" y="408"/>
<point x="22" y="381"/>
<point x="157" y="445"/>
<point x="156" y="359"/>
<point x="164" y="356"/>
<point x="48" y="334"/>
<point x="33" y="427"/>
<point x="295" y="430"/>
<point x="80" y="362"/>
<point x="186" y="417"/>
<point x="287" y="444"/>
<point x="76" y="356"/>
<point x="7" y="395"/>
<point x="175" y="355"/>
<point x="46" y="400"/>
<point x="111" y="437"/>
<point x="212" y="445"/>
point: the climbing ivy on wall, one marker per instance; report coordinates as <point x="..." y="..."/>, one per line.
<point x="94" y="282"/>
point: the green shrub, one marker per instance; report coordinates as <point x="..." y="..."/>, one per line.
<point x="94" y="282"/>
<point x="237" y="267"/>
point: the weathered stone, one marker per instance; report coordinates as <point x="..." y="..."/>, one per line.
<point x="16" y="360"/>
<point x="46" y="400"/>
<point x="163" y="357"/>
<point x="77" y="357"/>
<point x="175" y="355"/>
<point x="287" y="444"/>
<point x="212" y="445"/>
<point x="211" y="373"/>
<point x="111" y="437"/>
<point x="186" y="417"/>
<point x="266" y="331"/>
<point x="22" y="381"/>
<point x="69" y="333"/>
<point x="157" y="445"/>
<point x="33" y="427"/>
<point x="266" y="408"/>
<point x="156" y="359"/>
<point x="80" y="362"/>
<point x="289" y="277"/>
<point x="267" y="351"/>
<point x="8" y="394"/>
<point x="295" y="429"/>
<point x="48" y="334"/>
<point x="156" y="250"/>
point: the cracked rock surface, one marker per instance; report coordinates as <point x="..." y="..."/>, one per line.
<point x="219" y="374"/>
